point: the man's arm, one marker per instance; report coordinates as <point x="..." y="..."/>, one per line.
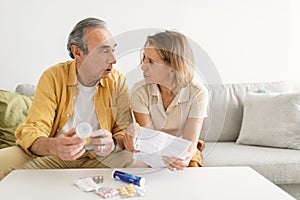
<point x="65" y="146"/>
<point x="37" y="135"/>
<point x="41" y="115"/>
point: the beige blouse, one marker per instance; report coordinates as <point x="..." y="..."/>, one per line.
<point x="190" y="102"/>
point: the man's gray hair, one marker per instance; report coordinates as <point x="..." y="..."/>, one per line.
<point x="77" y="35"/>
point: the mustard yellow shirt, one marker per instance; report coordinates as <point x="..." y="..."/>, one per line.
<point x="55" y="98"/>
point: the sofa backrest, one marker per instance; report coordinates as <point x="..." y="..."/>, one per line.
<point x="225" y="110"/>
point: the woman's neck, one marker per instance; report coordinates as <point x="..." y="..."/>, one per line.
<point x="165" y="90"/>
<point x="167" y="96"/>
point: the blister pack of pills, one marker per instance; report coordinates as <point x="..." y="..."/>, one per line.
<point x="127" y="191"/>
<point x="95" y="184"/>
<point x="88" y="184"/>
<point x="131" y="191"/>
<point x="107" y="192"/>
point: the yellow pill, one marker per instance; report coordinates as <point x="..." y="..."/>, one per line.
<point x="130" y="195"/>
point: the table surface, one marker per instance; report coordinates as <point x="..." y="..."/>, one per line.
<point x="192" y="183"/>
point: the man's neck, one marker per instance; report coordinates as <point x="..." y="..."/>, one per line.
<point x="87" y="83"/>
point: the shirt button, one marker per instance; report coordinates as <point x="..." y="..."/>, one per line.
<point x="68" y="115"/>
<point x="74" y="97"/>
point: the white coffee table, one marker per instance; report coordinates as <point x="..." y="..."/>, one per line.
<point x="207" y="183"/>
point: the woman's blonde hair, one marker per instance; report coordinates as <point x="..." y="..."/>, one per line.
<point x="174" y="48"/>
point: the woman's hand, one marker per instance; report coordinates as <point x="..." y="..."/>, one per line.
<point x="174" y="164"/>
<point x="130" y="137"/>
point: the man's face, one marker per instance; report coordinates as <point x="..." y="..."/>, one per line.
<point x="100" y="56"/>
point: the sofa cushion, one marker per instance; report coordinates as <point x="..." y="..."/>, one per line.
<point x="26" y="89"/>
<point x="272" y="120"/>
<point x="13" y="110"/>
<point x="281" y="166"/>
<point x="225" y="110"/>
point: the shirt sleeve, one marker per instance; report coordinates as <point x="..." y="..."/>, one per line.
<point x="41" y="114"/>
<point x="140" y="98"/>
<point x="199" y="98"/>
<point x="121" y="103"/>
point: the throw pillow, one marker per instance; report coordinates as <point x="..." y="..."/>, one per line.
<point x="271" y="119"/>
<point x="225" y="109"/>
<point x="13" y="110"/>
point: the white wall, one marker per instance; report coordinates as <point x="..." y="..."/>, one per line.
<point x="247" y="41"/>
<point x="294" y="45"/>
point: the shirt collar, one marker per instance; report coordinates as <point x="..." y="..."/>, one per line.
<point x="182" y="96"/>
<point x="72" y="75"/>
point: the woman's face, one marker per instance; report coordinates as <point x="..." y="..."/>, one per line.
<point x="155" y="69"/>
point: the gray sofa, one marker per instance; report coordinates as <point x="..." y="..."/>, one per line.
<point x="225" y="146"/>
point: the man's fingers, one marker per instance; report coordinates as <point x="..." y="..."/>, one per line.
<point x="71" y="141"/>
<point x="71" y="152"/>
<point x="67" y="148"/>
<point x="68" y="139"/>
<point x="100" y="133"/>
<point x="72" y="149"/>
<point x="71" y="133"/>
<point x="73" y="155"/>
<point x="103" y="150"/>
<point x="79" y="154"/>
<point x="102" y="141"/>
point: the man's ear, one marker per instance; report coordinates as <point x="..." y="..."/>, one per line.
<point x="77" y="52"/>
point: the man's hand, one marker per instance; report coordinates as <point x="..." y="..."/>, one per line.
<point x="102" y="142"/>
<point x="130" y="137"/>
<point x="68" y="147"/>
<point x="64" y="146"/>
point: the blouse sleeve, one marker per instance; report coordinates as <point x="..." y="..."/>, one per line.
<point x="199" y="98"/>
<point x="139" y="99"/>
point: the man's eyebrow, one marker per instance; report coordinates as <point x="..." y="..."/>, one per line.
<point x="107" y="46"/>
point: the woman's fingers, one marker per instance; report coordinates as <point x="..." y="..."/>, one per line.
<point x="174" y="164"/>
<point x="130" y="137"/>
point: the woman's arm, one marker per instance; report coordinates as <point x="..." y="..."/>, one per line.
<point x="143" y="120"/>
<point x="191" y="132"/>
